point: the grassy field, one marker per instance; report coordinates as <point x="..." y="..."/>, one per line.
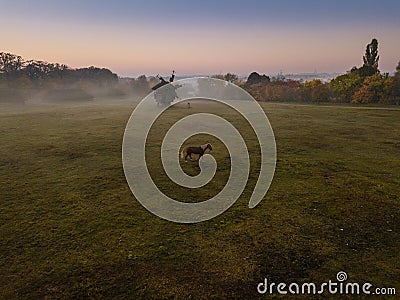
<point x="71" y="228"/>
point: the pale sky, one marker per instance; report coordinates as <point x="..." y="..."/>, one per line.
<point x="202" y="37"/>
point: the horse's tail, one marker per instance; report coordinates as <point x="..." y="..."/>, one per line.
<point x="183" y="153"/>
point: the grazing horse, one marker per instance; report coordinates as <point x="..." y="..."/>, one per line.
<point x="188" y="151"/>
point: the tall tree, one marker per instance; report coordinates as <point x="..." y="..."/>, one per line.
<point x="371" y="57"/>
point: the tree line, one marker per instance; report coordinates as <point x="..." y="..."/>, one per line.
<point x="365" y="84"/>
<point x="22" y="79"/>
<point x="15" y="70"/>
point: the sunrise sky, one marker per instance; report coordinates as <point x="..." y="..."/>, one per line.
<point x="202" y="37"/>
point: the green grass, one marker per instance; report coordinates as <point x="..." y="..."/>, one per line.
<point x="71" y="228"/>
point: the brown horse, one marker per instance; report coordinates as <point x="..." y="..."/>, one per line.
<point x="188" y="151"/>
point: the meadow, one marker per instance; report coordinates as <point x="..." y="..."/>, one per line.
<point x="70" y="227"/>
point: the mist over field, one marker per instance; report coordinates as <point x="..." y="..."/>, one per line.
<point x="33" y="81"/>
